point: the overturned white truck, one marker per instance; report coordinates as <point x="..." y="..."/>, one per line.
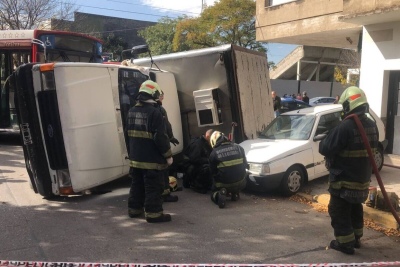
<point x="72" y="114"/>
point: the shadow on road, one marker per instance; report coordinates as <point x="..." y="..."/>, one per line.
<point x="10" y="139"/>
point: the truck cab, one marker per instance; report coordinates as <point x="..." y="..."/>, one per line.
<point x="73" y="117"/>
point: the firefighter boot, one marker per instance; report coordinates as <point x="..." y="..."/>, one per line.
<point x="221" y="198"/>
<point x="170" y="198"/>
<point x="135" y="213"/>
<point x="357" y="244"/>
<point x="235" y="196"/>
<point x="159" y="219"/>
<point x="337" y="246"/>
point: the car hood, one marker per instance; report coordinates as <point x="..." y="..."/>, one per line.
<point x="266" y="150"/>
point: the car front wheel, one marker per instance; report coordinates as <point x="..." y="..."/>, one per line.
<point x="292" y="181"/>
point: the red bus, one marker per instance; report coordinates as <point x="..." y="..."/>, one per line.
<point x="18" y="47"/>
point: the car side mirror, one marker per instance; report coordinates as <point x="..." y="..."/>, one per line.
<point x="319" y="137"/>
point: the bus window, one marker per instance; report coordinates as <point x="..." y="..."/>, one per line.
<point x="10" y="61"/>
<point x="17" y="48"/>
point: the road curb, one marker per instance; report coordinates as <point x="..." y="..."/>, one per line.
<point x="382" y="218"/>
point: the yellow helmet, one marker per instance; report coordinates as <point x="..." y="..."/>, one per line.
<point x="173" y="183"/>
<point x="151" y="88"/>
<point x="216" y="135"/>
<point x="352" y="98"/>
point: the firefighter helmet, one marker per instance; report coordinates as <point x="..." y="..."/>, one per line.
<point x="352" y="98"/>
<point x="173" y="183"/>
<point x="215" y="137"/>
<point x="151" y="88"/>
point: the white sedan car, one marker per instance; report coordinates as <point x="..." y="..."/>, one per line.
<point x="285" y="155"/>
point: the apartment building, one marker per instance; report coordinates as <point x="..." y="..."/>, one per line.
<point x="370" y="26"/>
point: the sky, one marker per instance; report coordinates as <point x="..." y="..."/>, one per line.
<point x="153" y="10"/>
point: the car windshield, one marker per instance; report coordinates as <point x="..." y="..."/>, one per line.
<point x="289" y="127"/>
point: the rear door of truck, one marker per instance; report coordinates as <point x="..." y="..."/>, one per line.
<point x="253" y="90"/>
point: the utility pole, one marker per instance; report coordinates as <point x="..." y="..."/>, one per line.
<point x="202" y="5"/>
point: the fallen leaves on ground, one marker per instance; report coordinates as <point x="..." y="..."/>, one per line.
<point x="367" y="223"/>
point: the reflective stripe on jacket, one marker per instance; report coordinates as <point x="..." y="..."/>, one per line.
<point x="350" y="166"/>
<point x="148" y="142"/>
<point x="228" y="163"/>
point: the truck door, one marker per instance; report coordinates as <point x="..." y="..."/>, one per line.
<point x="254" y="91"/>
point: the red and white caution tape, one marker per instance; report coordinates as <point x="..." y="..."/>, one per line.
<point x="86" y="264"/>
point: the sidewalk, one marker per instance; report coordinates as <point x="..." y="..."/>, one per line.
<point x="391" y="180"/>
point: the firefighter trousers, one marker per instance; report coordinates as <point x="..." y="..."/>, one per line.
<point x="233" y="188"/>
<point x="146" y="190"/>
<point x="346" y="219"/>
<point x="199" y="176"/>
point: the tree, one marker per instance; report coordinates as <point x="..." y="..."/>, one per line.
<point x="348" y="63"/>
<point x="228" y="21"/>
<point x="159" y="37"/>
<point x="28" y="14"/>
<point x="114" y="44"/>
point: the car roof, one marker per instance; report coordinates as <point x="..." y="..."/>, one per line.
<point x="291" y="99"/>
<point x="315" y="110"/>
<point x="319" y="97"/>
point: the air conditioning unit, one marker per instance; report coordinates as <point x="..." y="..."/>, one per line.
<point x="208" y="110"/>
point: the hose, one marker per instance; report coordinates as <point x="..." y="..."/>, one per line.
<point x="375" y="168"/>
<point x="391" y="166"/>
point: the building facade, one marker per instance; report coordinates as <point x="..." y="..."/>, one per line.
<point x="371" y="26"/>
<point x="102" y="26"/>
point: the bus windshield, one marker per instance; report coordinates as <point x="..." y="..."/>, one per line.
<point x="18" y="47"/>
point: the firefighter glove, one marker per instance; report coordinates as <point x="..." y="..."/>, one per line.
<point x="174" y="141"/>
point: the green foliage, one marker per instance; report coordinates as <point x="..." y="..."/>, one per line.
<point x="340" y="75"/>
<point x="159" y="37"/>
<point x="226" y="22"/>
<point x="114" y="44"/>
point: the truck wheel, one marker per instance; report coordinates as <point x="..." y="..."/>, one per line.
<point x="292" y="181"/>
<point x="379" y="157"/>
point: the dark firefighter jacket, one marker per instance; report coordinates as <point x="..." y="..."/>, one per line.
<point x="347" y="157"/>
<point x="228" y="162"/>
<point x="148" y="142"/>
<point x="167" y="124"/>
<point x="198" y="151"/>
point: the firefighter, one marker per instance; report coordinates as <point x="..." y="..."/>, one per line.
<point x="349" y="170"/>
<point x="149" y="155"/>
<point x="167" y="197"/>
<point x="195" y="164"/>
<point x="228" y="168"/>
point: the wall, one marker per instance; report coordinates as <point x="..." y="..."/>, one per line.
<point x="380" y="53"/>
<point x="296" y="10"/>
<point x="312" y="88"/>
<point x="357" y="7"/>
<point x="101" y="26"/>
<point x="306" y="22"/>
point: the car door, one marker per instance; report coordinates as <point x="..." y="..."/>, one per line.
<point x="326" y="123"/>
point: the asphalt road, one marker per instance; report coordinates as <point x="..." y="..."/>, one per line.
<point x="258" y="229"/>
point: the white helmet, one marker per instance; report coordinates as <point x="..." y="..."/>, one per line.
<point x="215" y="137"/>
